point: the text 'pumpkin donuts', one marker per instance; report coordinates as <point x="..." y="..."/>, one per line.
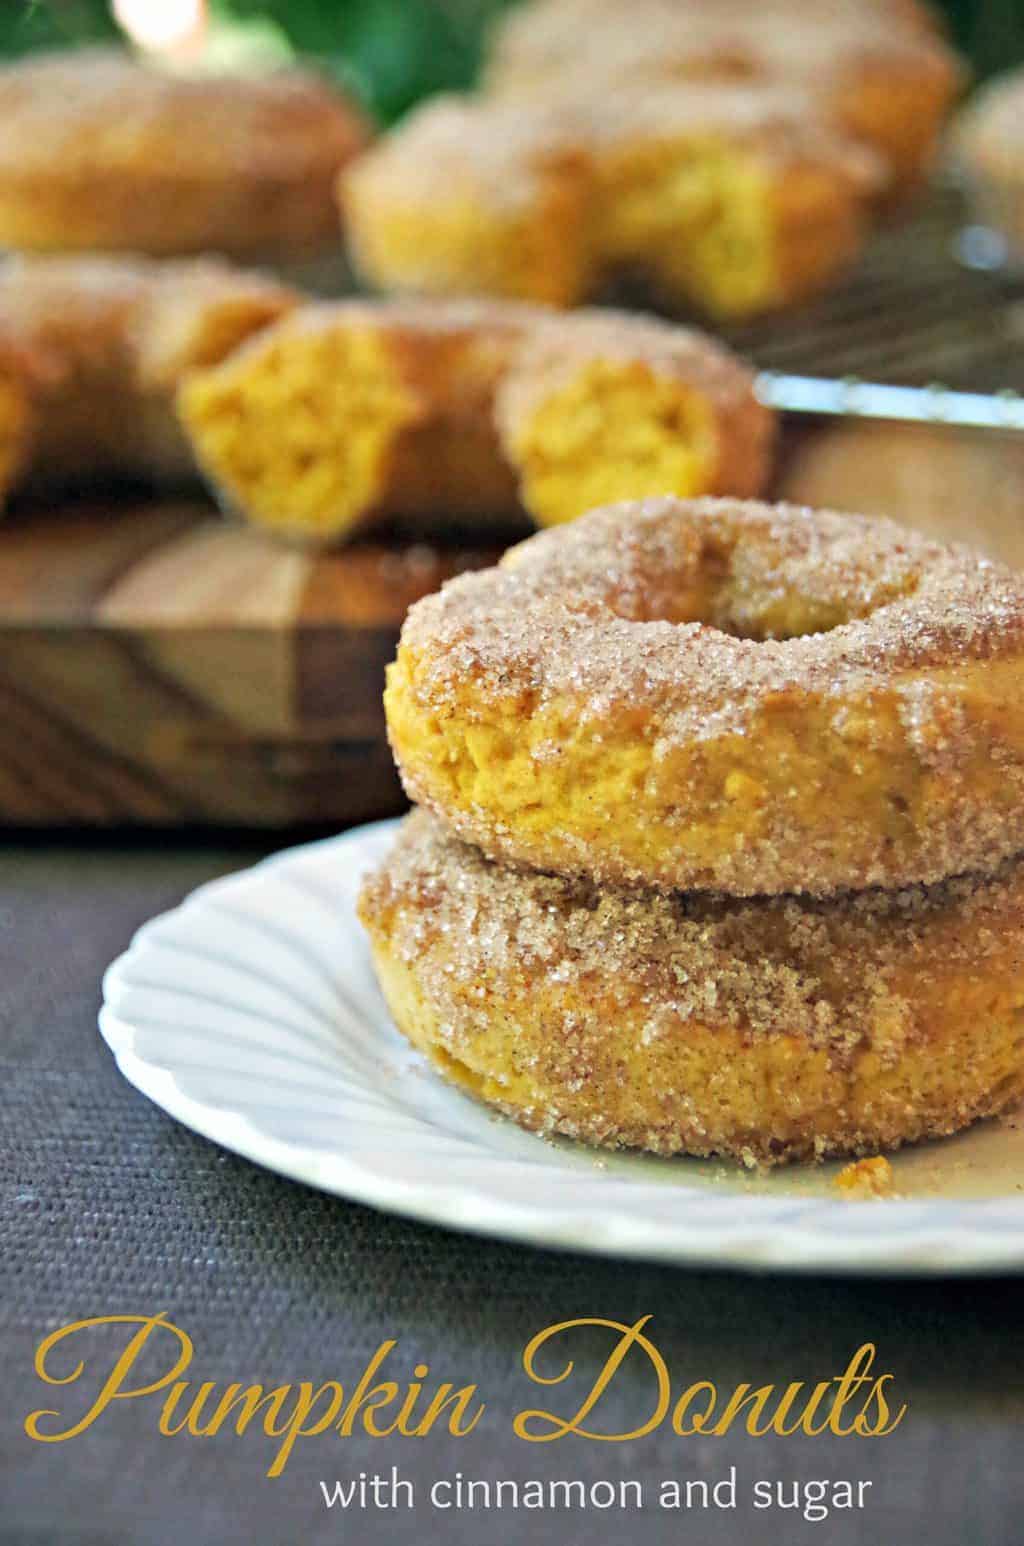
<point x="719" y="694"/>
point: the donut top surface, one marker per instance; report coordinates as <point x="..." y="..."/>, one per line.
<point x="557" y="342"/>
<point x="704" y="609"/>
<point x="99" y="111"/>
<point x="781" y="124"/>
<point x="502" y="146"/>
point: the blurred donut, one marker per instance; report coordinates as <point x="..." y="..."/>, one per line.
<point x="349" y="413"/>
<point x="92" y="350"/>
<point x="101" y="152"/>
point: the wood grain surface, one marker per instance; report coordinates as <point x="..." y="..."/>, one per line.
<point x="159" y="666"/>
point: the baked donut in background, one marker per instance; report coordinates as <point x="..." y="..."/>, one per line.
<point x="463" y="199"/>
<point x="353" y="412"/>
<point x="91" y="353"/>
<point x="988" y="145"/>
<point x="600" y="405"/>
<point x="770" y="1029"/>
<point x="869" y="72"/>
<point x="731" y="200"/>
<point x="101" y="152"/>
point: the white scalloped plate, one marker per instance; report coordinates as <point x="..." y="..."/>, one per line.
<point x="251" y="1014"/>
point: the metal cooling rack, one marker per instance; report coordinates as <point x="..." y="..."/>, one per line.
<point x="914" y="334"/>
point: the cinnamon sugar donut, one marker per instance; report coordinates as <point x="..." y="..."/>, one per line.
<point x="769" y="1029"/>
<point x="98" y="151"/>
<point x="733" y="200"/>
<point x="92" y="350"/>
<point x="747" y="697"/>
<point x="350" y="411"/>
<point x="463" y="199"/>
<point x="354" y="411"/>
<point x="600" y="405"/>
<point x="886" y="83"/>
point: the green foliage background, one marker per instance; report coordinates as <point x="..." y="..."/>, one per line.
<point x="396" y="51"/>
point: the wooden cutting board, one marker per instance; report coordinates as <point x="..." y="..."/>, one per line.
<point x="159" y="666"/>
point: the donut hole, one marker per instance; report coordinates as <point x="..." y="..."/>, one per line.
<point x="772" y="591"/>
<point x="790" y="614"/>
<point x="750" y="586"/>
<point x="618" y="430"/>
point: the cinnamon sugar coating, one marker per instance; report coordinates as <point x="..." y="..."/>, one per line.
<point x="475" y="199"/>
<point x="728" y="695"/>
<point x="769" y="1029"/>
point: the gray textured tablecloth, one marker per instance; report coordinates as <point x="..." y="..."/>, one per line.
<point x="110" y="1207"/>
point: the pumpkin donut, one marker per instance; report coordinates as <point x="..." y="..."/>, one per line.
<point x="715" y="694"/>
<point x="600" y="405"/>
<point x="100" y="152"/>
<point x="92" y="350"/>
<point x="770" y="1029"/>
<point x="534" y="40"/>
<point x="886" y="84"/>
<point x="464" y="199"/>
<point x="733" y="200"/>
<point x="353" y="411"/>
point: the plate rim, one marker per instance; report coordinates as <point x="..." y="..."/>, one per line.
<point x="778" y="1246"/>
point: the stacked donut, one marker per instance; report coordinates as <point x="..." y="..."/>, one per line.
<point x="718" y="850"/>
